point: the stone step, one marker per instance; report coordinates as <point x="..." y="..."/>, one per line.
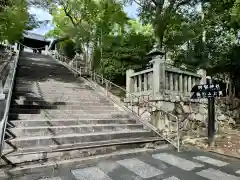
<point x="59" y="102"/>
<point x="63" y="99"/>
<point x="55" y="92"/>
<point x="103" y="148"/>
<point x="15" y="116"/>
<point x="56" y="89"/>
<point x="69" y="122"/>
<point x="9" y="149"/>
<point x="63" y="111"/>
<point x="89" y="97"/>
<point x="77" y="129"/>
<point x="34" y="84"/>
<point x="23" y="142"/>
<point x="25" y="85"/>
<point x="73" y="107"/>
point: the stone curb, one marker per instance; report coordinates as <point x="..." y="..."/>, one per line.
<point x="52" y="166"/>
<point x="222" y="154"/>
<point x="191" y="147"/>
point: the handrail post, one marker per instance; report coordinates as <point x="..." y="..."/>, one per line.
<point x="131" y="102"/>
<point x="178" y="136"/>
<point x="76" y="65"/>
<point x="106" y="87"/>
<point x="2" y="95"/>
<point x="94" y="76"/>
<point x="138" y="106"/>
<point x="80" y="71"/>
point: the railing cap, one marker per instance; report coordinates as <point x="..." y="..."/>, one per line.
<point x="155" y="52"/>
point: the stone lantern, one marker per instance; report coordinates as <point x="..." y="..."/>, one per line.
<point x="155" y="54"/>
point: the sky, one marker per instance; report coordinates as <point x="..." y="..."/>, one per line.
<point x="43" y="15"/>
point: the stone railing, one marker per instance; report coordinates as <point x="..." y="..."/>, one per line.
<point x="180" y="82"/>
<point x="162" y="79"/>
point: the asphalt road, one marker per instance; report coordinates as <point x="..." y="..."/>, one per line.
<point x="165" y="164"/>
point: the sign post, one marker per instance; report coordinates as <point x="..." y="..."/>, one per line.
<point x="209" y="91"/>
<point x="211" y="120"/>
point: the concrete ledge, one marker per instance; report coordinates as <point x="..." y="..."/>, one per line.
<point x="51" y="165"/>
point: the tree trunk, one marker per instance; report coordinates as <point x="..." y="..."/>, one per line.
<point x="231" y="86"/>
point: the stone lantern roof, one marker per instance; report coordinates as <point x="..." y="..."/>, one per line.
<point x="155" y="52"/>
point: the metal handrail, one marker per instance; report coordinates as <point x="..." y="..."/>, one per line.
<point x="144" y="101"/>
<point x="156" y="130"/>
<point x="3" y="121"/>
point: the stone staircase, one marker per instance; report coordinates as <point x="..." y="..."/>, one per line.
<point x="55" y="116"/>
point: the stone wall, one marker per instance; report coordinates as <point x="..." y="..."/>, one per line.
<point x="193" y="116"/>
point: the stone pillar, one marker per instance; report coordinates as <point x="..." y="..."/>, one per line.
<point x="185" y="80"/>
<point x="2" y="96"/>
<point x="158" y="75"/>
<point x="171" y="82"/>
<point x="129" y="81"/>
<point x="46" y="49"/>
<point x="181" y="83"/>
<point x="15" y="46"/>
<point x="203" y="73"/>
<point x="176" y="83"/>
<point x="140" y="83"/>
<point x="189" y="84"/>
<point x="145" y="85"/>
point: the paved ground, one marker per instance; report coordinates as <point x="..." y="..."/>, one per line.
<point x="160" y="165"/>
<point x="225" y="143"/>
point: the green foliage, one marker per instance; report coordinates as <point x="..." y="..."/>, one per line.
<point x="121" y="53"/>
<point x="120" y="43"/>
<point x="67" y="48"/>
<point x="14" y="19"/>
<point x="170" y="19"/>
<point x="11" y="28"/>
<point x="85" y="22"/>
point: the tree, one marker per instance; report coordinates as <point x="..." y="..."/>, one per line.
<point x="221" y="22"/>
<point x="169" y="19"/>
<point x="14" y="19"/>
<point x="124" y="51"/>
<point x="87" y="23"/>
